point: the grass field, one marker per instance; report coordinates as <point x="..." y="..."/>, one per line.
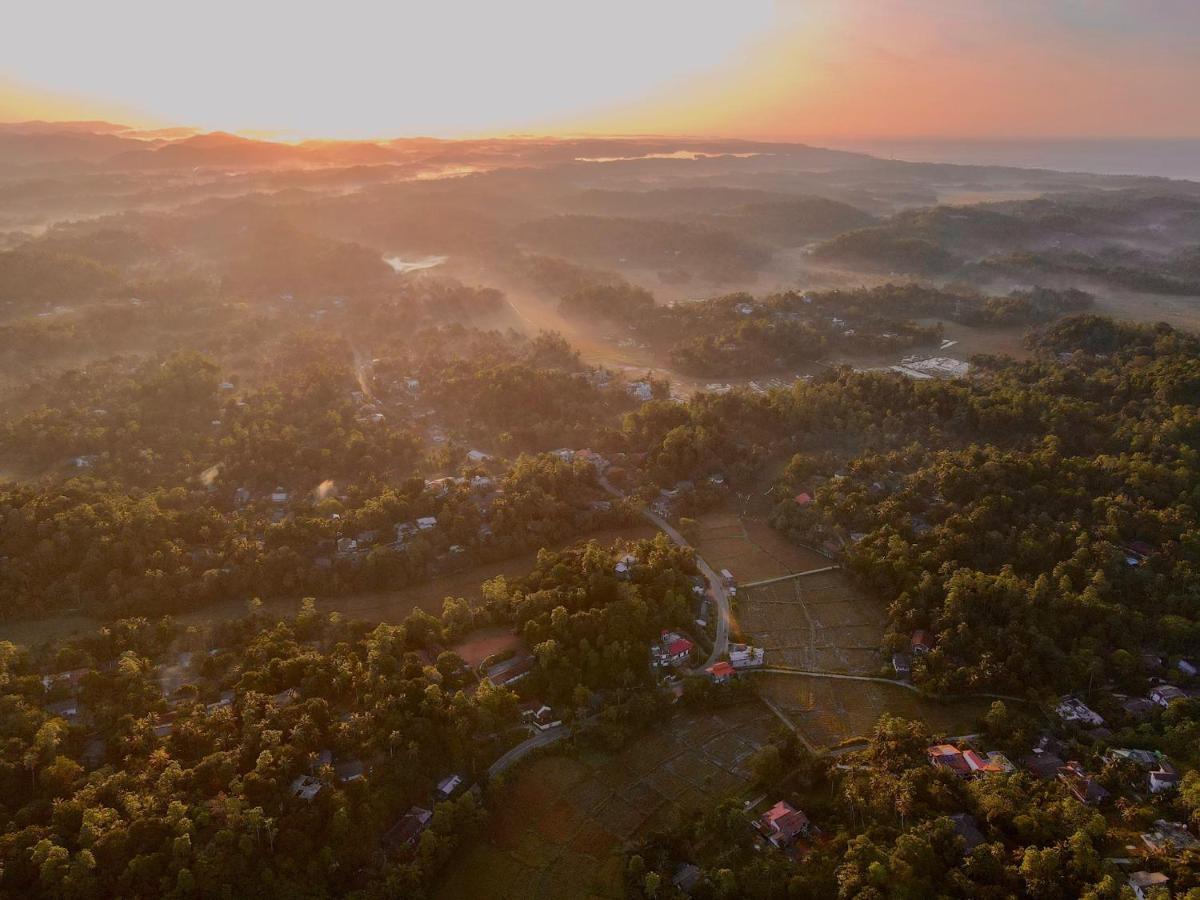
<point x="748" y="547"/>
<point x="561" y="822"/>
<point x="828" y="712"/>
<point x="819" y="622"/>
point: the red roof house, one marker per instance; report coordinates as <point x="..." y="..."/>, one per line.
<point x="803" y="499"/>
<point x="783" y="823"/>
<point x="721" y="672"/>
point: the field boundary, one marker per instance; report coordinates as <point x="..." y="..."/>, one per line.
<point x="788" y="577"/>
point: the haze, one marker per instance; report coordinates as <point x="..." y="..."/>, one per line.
<point x="784" y="70"/>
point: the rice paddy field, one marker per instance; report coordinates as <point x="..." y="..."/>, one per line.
<point x="828" y="712"/>
<point x="559" y="826"/>
<point x="749" y="547"/>
<point x="817" y="622"/>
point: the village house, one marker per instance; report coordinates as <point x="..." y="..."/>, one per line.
<point x="744" y="656"/>
<point x="509" y="671"/>
<point x="539" y="716"/>
<point x="1166" y="694"/>
<point x="1072" y="709"/>
<point x="71" y="678"/>
<point x="1042" y="763"/>
<point x="1163" y="778"/>
<point x="1187" y="667"/>
<point x="1085" y="788"/>
<point x="1138" y="708"/>
<point x="901" y="665"/>
<point x="921" y="642"/>
<point x="305" y="787"/>
<point x="1166" y="837"/>
<point x="672" y="649"/>
<point x="782" y="824"/>
<point x="350" y="770"/>
<point x="721" y="672"/>
<point x="408" y="830"/>
<point x="1149" y="885"/>
<point x="64" y="709"/>
<point x="624" y="566"/>
<point x="427" y="522"/>
<point x="447" y="786"/>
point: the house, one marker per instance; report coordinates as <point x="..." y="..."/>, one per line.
<point x="721" y="672"/>
<point x="1167" y="836"/>
<point x="782" y="824"/>
<point x="947" y="756"/>
<point x="510" y="671"/>
<point x="71" y="678"/>
<point x="477" y="456"/>
<point x="279" y="495"/>
<point x="1085" y="788"/>
<point x="447" y="786"/>
<point x="625" y="564"/>
<point x="64" y="709"/>
<point x="350" y="770"/>
<point x="1187" y="667"/>
<point x="1042" y="763"/>
<point x="539" y="716"/>
<point x="803" y="499"/>
<point x="1147" y="759"/>
<point x="744" y="656"/>
<point x="967" y="827"/>
<point x="921" y="642"/>
<point x="1138" y="708"/>
<point x="1072" y="709"/>
<point x="305" y="787"/>
<point x="641" y="390"/>
<point x="673" y="649"/>
<point x="1164" y="777"/>
<point x="427" y="522"/>
<point x="347" y="546"/>
<point x="285" y="698"/>
<point x="901" y="665"/>
<point x="1149" y="885"/>
<point x="991" y="763"/>
<point x="1166" y="694"/>
<point x="408" y="830"/>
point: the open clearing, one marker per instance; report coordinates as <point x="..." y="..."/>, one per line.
<point x="828" y="712"/>
<point x="750" y="548"/>
<point x="819" y="622"/>
<point x="559" y="825"/>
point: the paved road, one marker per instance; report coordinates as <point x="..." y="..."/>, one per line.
<point x="716" y="588"/>
<point x="541" y="739"/>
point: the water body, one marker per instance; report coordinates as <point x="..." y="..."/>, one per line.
<point x="404" y="266"/>
<point x="678" y="154"/>
<point x="1167" y="158"/>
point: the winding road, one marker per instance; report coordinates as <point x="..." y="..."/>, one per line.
<point x="716" y="588"/>
<point x="541" y="739"/>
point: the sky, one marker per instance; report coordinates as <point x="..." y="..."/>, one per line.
<point x="777" y="69"/>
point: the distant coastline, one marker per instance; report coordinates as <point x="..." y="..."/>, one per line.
<point x="1167" y="158"/>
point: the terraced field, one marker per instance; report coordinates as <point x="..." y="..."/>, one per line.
<point x="559" y="826"/>
<point x="818" y="622"/>
<point x="827" y="712"/>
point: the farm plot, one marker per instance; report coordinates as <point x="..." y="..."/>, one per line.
<point x="818" y="622"/>
<point x="828" y="711"/>
<point x="561" y="822"/>
<point x="749" y="548"/>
